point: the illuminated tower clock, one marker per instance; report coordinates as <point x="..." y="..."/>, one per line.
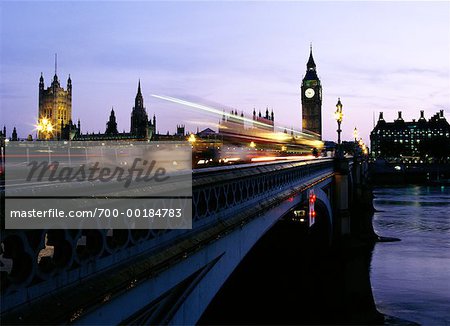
<point x="311" y="91"/>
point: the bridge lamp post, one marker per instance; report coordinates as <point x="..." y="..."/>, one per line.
<point x="364" y="149"/>
<point x="355" y="134"/>
<point x="338" y="115"/>
<point x="191" y="139"/>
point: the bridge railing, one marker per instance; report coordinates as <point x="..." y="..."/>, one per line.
<point x="38" y="262"/>
<point x="218" y="194"/>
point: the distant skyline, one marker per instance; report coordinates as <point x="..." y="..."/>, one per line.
<point x="375" y="56"/>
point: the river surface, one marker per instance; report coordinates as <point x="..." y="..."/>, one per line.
<point x="411" y="278"/>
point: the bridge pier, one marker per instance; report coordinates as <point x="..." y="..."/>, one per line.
<point x="362" y="204"/>
<point x="341" y="197"/>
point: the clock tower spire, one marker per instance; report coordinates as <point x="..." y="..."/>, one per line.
<point x="311" y="65"/>
<point x="311" y="95"/>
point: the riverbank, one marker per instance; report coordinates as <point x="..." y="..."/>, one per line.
<point x="384" y="173"/>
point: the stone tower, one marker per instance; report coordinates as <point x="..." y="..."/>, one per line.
<point x="139" y="118"/>
<point x="111" y="125"/>
<point x="55" y="107"/>
<point x="311" y="93"/>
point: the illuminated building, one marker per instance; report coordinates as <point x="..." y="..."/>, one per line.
<point x="55" y="107"/>
<point x="418" y="141"/>
<point x="311" y="94"/>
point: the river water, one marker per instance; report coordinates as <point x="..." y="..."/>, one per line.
<point x="289" y="279"/>
<point x="411" y="278"/>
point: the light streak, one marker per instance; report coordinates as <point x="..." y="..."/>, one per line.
<point x="229" y="115"/>
<point x="281" y="158"/>
<point x="209" y="109"/>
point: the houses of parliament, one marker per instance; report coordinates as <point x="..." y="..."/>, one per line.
<point x="55" y="117"/>
<point x="55" y="114"/>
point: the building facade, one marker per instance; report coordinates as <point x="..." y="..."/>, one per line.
<point x="111" y="125"/>
<point x="311" y="95"/>
<point x="141" y="127"/>
<point x="55" y="108"/>
<point x="416" y="141"/>
<point x="234" y="123"/>
<point x="265" y="122"/>
<point x="139" y="118"/>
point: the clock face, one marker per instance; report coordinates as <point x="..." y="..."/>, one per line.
<point x="309" y="93"/>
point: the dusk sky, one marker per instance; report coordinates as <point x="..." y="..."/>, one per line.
<point x="375" y="56"/>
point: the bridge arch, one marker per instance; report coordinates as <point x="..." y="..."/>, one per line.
<point x="322" y="199"/>
<point x="322" y="230"/>
<point x="284" y="241"/>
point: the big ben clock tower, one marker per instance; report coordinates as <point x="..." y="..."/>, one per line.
<point x="311" y="100"/>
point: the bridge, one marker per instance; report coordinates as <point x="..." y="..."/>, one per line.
<point x="170" y="276"/>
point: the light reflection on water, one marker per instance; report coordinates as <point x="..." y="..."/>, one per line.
<point x="411" y="278"/>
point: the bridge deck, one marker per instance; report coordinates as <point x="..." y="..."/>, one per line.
<point x="74" y="300"/>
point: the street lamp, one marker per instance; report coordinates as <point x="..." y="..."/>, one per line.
<point x="355" y="134"/>
<point x="192" y="139"/>
<point x="44" y="128"/>
<point x="338" y="116"/>
<point x="362" y="146"/>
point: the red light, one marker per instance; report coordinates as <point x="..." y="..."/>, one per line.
<point x="312" y="212"/>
